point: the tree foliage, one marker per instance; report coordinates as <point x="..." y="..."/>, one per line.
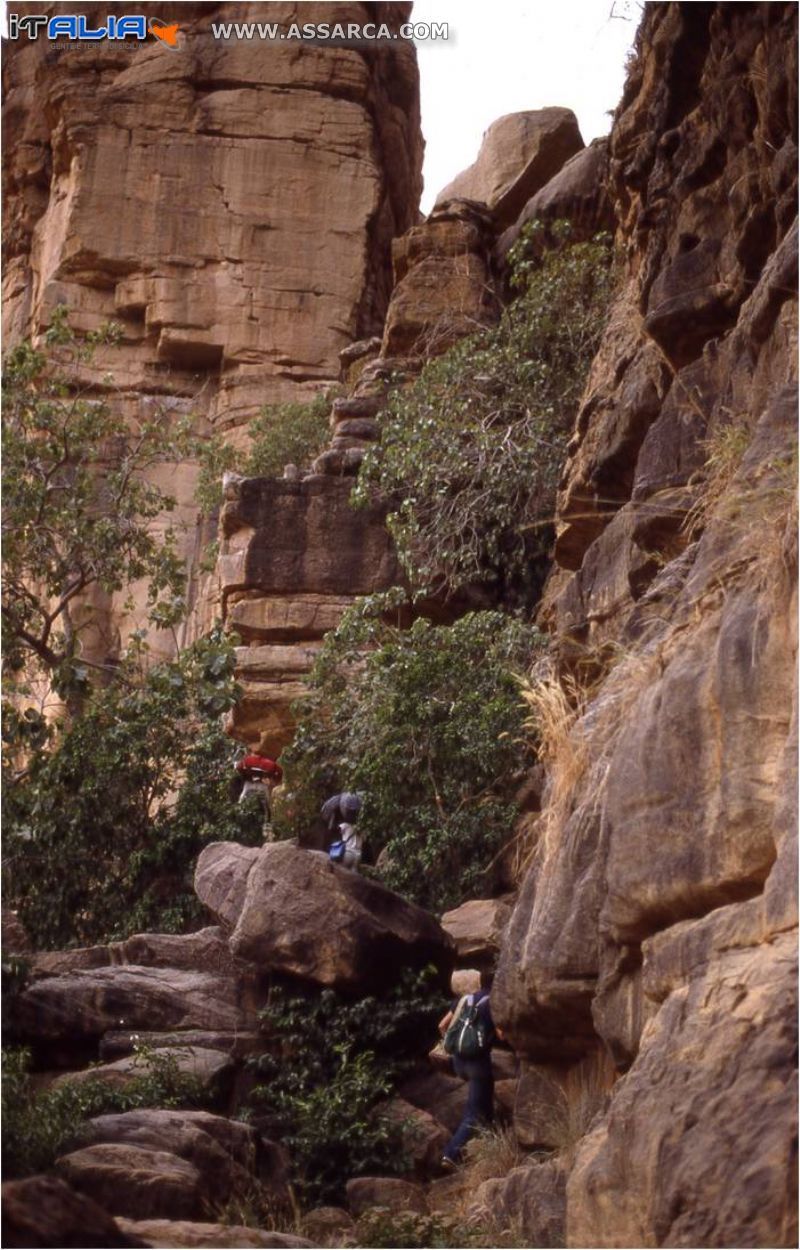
<point x="102" y="830"/>
<point x="470" y="453"/>
<point x="77" y="506"/>
<point x="427" y="722"/>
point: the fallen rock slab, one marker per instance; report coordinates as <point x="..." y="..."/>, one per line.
<point x="136" y="1181"/>
<point x="292" y="911"/>
<point x="89" y="1003"/>
<point x="477" y="929"/>
<point x="43" y="1211"/>
<point x="190" y="1233"/>
<point x="222" y="1150"/>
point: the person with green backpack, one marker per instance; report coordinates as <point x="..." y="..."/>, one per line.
<point x="468" y="1031"/>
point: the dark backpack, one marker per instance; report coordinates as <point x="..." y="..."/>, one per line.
<point x="468" y="1033"/>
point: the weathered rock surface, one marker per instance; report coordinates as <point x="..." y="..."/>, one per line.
<point x="578" y="194"/>
<point x="439" y="1093"/>
<point x="136" y="1181"/>
<point x="390" y="1192"/>
<point x="165" y="1234"/>
<point x="531" y="1198"/>
<point x="329" y="1226"/>
<point x="519" y="154"/>
<point x="424" y="1137"/>
<point x="88" y="1003"/>
<point x="698" y="1145"/>
<point x="656" y="931"/>
<point x="284" y="585"/>
<point x="291" y="910"/>
<point x="443" y="284"/>
<point x="240" y="257"/>
<point x="115" y="1044"/>
<point x="477" y="927"/>
<point x="43" y="1211"/>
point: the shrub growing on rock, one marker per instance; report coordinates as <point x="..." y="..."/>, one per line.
<point x="471" y="452"/>
<point x="330" y="1062"/>
<point x="427" y="721"/>
<point x="39" y="1124"/>
<point x="291" y="433"/>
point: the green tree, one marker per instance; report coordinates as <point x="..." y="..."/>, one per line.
<point x="427" y="722"/>
<point x="471" y="452"/>
<point x="77" y="506"/>
<point x="102" y="830"/>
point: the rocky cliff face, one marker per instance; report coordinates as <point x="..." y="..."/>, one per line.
<point x="231" y="204"/>
<point x="658" y="924"/>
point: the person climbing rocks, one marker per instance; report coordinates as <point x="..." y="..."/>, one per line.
<point x="340" y="812"/>
<point x="261" y="775"/>
<point x="469" y="1031"/>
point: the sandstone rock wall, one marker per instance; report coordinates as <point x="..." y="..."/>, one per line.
<point x="231" y="204"/>
<point x="659" y="920"/>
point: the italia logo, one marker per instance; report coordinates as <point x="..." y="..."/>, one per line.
<point x="77" y="26"/>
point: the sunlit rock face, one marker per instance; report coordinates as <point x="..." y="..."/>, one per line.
<point x="230" y="203"/>
<point x="659" y="921"/>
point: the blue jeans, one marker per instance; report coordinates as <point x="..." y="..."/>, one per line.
<point x="480" y="1101"/>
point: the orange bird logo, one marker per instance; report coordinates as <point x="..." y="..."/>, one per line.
<point x="167" y="34"/>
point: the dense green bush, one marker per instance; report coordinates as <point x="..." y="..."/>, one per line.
<point x="291" y="433"/>
<point x="102" y="830"/>
<point x="38" y="1125"/>
<point x="329" y="1064"/>
<point x="427" y="721"/>
<point x="470" y="453"/>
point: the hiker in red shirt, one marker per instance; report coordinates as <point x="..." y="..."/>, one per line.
<point x="261" y="775"/>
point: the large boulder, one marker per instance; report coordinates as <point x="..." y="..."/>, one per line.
<point x="43" y="1211"/>
<point x="204" y="951"/>
<point x="292" y="911"/>
<point x="477" y="928"/>
<point x="85" y="1004"/>
<point x="578" y="194"/>
<point x="519" y="154"/>
<point x="226" y="1152"/>
<point x="137" y="1181"/>
<point x="424" y="1137"/>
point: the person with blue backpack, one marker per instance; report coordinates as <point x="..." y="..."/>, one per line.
<point x="468" y="1032"/>
<point x="340" y="813"/>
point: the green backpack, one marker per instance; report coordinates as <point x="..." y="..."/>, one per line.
<point x="468" y="1033"/>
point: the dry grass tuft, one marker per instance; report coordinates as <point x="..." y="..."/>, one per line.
<point x="493" y="1152"/>
<point x="725" y="450"/>
<point x="575" y="727"/>
<point x="555" y="707"/>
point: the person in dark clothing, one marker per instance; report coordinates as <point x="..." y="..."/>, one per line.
<point x="478" y="1072"/>
<point x="341" y="809"/>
